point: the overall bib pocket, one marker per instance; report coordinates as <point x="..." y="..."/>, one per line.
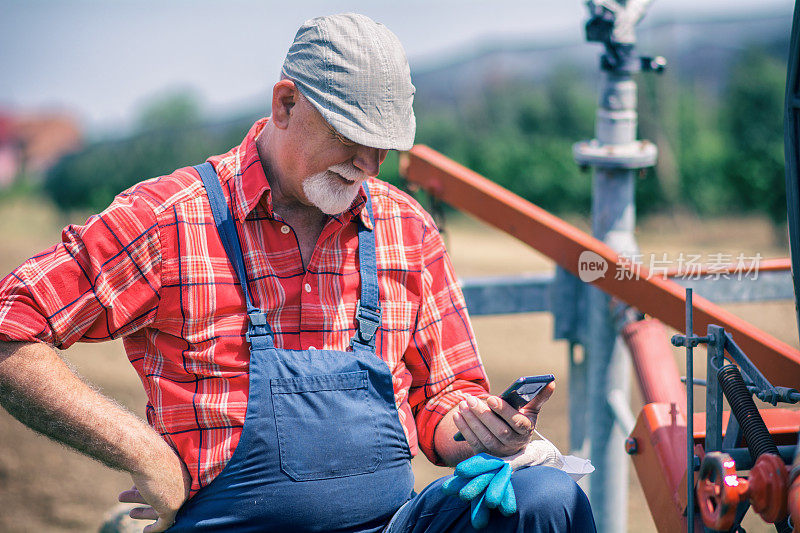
<point x="326" y="425"/>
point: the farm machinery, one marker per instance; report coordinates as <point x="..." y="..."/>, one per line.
<point x="697" y="469"/>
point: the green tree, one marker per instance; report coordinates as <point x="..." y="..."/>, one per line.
<point x="519" y="134"/>
<point x="170" y="110"/>
<point x="171" y="136"/>
<point x="719" y="154"/>
<point x="753" y="125"/>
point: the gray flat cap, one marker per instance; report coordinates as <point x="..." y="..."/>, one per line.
<point x="355" y="72"/>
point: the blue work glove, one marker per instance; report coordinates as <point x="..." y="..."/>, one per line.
<point x="484" y="481"/>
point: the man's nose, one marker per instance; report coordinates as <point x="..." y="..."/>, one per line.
<point x="369" y="160"/>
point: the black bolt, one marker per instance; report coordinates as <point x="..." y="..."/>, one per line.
<point x="631" y="446"/>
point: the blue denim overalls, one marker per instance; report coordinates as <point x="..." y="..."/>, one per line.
<point x="322" y="448"/>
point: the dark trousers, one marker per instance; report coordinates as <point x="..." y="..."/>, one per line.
<point x="548" y="500"/>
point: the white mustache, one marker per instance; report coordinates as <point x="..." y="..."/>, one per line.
<point x="348" y="172"/>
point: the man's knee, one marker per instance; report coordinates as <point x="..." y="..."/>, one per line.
<point x="549" y="500"/>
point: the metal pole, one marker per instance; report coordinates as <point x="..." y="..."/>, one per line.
<point x="613" y="221"/>
<point x="690" y="413"/>
<point x="714" y="361"/>
<point x="616" y="156"/>
<point x="577" y="401"/>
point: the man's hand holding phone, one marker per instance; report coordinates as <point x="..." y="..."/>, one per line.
<point x="495" y="426"/>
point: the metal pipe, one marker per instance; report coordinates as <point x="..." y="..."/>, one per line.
<point x="656" y="370"/>
<point x="744" y="461"/>
<point x="577" y="402"/>
<point x="689" y="415"/>
<point x="697" y="382"/>
<point x="608" y="360"/>
<point x="714" y="361"/>
<point x="622" y="411"/>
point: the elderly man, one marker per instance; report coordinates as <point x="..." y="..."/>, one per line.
<point x="295" y="322"/>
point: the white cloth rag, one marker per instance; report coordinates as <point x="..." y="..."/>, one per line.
<point x="543" y="452"/>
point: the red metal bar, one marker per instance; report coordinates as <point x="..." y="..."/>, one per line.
<point x="655" y="367"/>
<point x="794" y="502"/>
<point x="783" y="425"/>
<point x="659" y="456"/>
<point x="564" y="243"/>
<point x="778" y="264"/>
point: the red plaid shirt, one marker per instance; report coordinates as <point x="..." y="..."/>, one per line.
<point x="152" y="270"/>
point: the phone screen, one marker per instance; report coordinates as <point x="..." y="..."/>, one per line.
<point x="525" y="389"/>
<point x="529" y="390"/>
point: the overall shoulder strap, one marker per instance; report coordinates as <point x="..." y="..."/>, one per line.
<point x="368" y="311"/>
<point x="226" y="226"/>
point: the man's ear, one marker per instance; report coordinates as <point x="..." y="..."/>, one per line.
<point x="284" y="97"/>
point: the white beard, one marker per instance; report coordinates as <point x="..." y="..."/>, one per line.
<point x="328" y="193"/>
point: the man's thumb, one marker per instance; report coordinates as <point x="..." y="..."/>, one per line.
<point x="159" y="525"/>
<point x="536" y="403"/>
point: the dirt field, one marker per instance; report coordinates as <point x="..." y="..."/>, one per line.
<point x="44" y="487"/>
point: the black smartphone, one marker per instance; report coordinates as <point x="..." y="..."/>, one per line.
<point x="521" y="392"/>
<point x="524" y="389"/>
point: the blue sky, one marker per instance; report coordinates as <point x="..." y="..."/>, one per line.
<point x="102" y="59"/>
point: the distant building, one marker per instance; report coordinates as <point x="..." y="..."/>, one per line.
<point x="32" y="143"/>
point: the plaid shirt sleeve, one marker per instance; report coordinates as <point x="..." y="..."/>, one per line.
<point x="443" y="355"/>
<point x="100" y="282"/>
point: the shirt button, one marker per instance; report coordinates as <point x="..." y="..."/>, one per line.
<point x="307" y="287"/>
<point x="285" y="229"/>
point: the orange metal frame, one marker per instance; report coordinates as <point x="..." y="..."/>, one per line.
<point x="664" y="299"/>
<point x="659" y="436"/>
<point x="659" y="456"/>
<point x="778" y="264"/>
<point x="660" y="462"/>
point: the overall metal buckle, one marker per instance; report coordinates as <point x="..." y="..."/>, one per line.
<point x="369" y="320"/>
